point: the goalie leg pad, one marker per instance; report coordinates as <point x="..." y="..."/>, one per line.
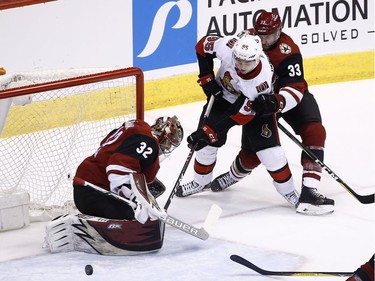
<point x="103" y="236"/>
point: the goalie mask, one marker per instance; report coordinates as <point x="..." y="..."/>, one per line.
<point x="169" y="132"/>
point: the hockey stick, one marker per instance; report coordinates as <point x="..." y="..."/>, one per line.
<point x="261" y="271"/>
<point x="364" y="199"/>
<point x="190" y="155"/>
<point x="200" y="233"/>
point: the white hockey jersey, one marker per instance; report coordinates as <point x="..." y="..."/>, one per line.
<point x="259" y="81"/>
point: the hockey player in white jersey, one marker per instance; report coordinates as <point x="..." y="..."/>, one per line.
<point x="243" y="75"/>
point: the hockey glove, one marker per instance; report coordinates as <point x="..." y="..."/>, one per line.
<point x="202" y="137"/>
<point x="156" y="188"/>
<point x="268" y="104"/>
<point x="210" y="86"/>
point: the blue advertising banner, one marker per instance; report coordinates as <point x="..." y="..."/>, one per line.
<point x="164" y="33"/>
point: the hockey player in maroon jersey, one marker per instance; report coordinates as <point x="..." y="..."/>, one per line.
<point x="114" y="227"/>
<point x="365" y="272"/>
<point x="244" y="73"/>
<point x="300" y="111"/>
<point x="132" y="148"/>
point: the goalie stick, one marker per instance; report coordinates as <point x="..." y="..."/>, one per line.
<point x="364" y="199"/>
<point x="248" y="264"/>
<point x="200" y="233"/>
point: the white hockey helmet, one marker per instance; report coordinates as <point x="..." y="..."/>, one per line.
<point x="169" y="132"/>
<point x="247" y="52"/>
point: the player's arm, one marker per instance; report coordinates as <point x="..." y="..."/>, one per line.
<point x="138" y="153"/>
<point x="208" y="134"/>
<point x="291" y="80"/>
<point x="206" y="53"/>
<point x="291" y="85"/>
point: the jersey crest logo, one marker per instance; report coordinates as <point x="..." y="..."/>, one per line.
<point x="226" y="82"/>
<point x="285" y="49"/>
<point x="266" y="132"/>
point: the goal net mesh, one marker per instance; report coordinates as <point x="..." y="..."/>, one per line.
<point x="47" y="132"/>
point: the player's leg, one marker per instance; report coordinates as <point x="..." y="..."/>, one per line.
<point x="241" y="167"/>
<point x="306" y="121"/>
<point x="94" y="203"/>
<point x="260" y="143"/>
<point x="205" y="158"/>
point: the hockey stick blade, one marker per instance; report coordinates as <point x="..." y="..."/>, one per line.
<point x="364" y="199"/>
<point x="200" y="233"/>
<point x="248" y="264"/>
<point x="203" y="232"/>
<point x="212" y="218"/>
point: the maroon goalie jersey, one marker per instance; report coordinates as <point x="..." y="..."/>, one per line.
<point x="129" y="149"/>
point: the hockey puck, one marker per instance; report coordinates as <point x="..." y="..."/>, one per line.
<point x="88" y="269"/>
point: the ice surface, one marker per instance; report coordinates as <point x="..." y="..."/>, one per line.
<point x="256" y="223"/>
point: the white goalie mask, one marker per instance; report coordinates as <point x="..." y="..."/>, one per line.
<point x="246" y="53"/>
<point x="169" y="132"/>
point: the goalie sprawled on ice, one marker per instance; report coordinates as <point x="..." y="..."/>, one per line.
<point x="125" y="164"/>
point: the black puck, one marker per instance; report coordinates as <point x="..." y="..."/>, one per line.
<point x="88" y="269"/>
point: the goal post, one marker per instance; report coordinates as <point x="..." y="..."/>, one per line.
<point x="50" y="121"/>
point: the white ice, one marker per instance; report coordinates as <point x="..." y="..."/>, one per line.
<point x="257" y="223"/>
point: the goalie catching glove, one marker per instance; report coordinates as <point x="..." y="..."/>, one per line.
<point x="268" y="104"/>
<point x="202" y="137"/>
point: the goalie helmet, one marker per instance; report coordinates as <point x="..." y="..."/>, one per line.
<point x="268" y="27"/>
<point x="169" y="132"/>
<point x="246" y="53"/>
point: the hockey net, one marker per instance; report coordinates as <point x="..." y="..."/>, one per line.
<point x="50" y="121"/>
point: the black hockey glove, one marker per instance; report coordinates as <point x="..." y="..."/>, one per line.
<point x="210" y="86"/>
<point x="268" y="104"/>
<point x="202" y="137"/>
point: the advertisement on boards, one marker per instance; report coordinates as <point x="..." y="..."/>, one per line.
<point x="161" y="34"/>
<point x="318" y="27"/>
<point x="165" y="33"/>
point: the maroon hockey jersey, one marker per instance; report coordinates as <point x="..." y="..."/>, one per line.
<point x="287" y="60"/>
<point x="129" y="149"/>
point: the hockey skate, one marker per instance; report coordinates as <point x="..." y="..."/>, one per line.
<point x="221" y="182"/>
<point x="292" y="198"/>
<point x="311" y="202"/>
<point x="189" y="189"/>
